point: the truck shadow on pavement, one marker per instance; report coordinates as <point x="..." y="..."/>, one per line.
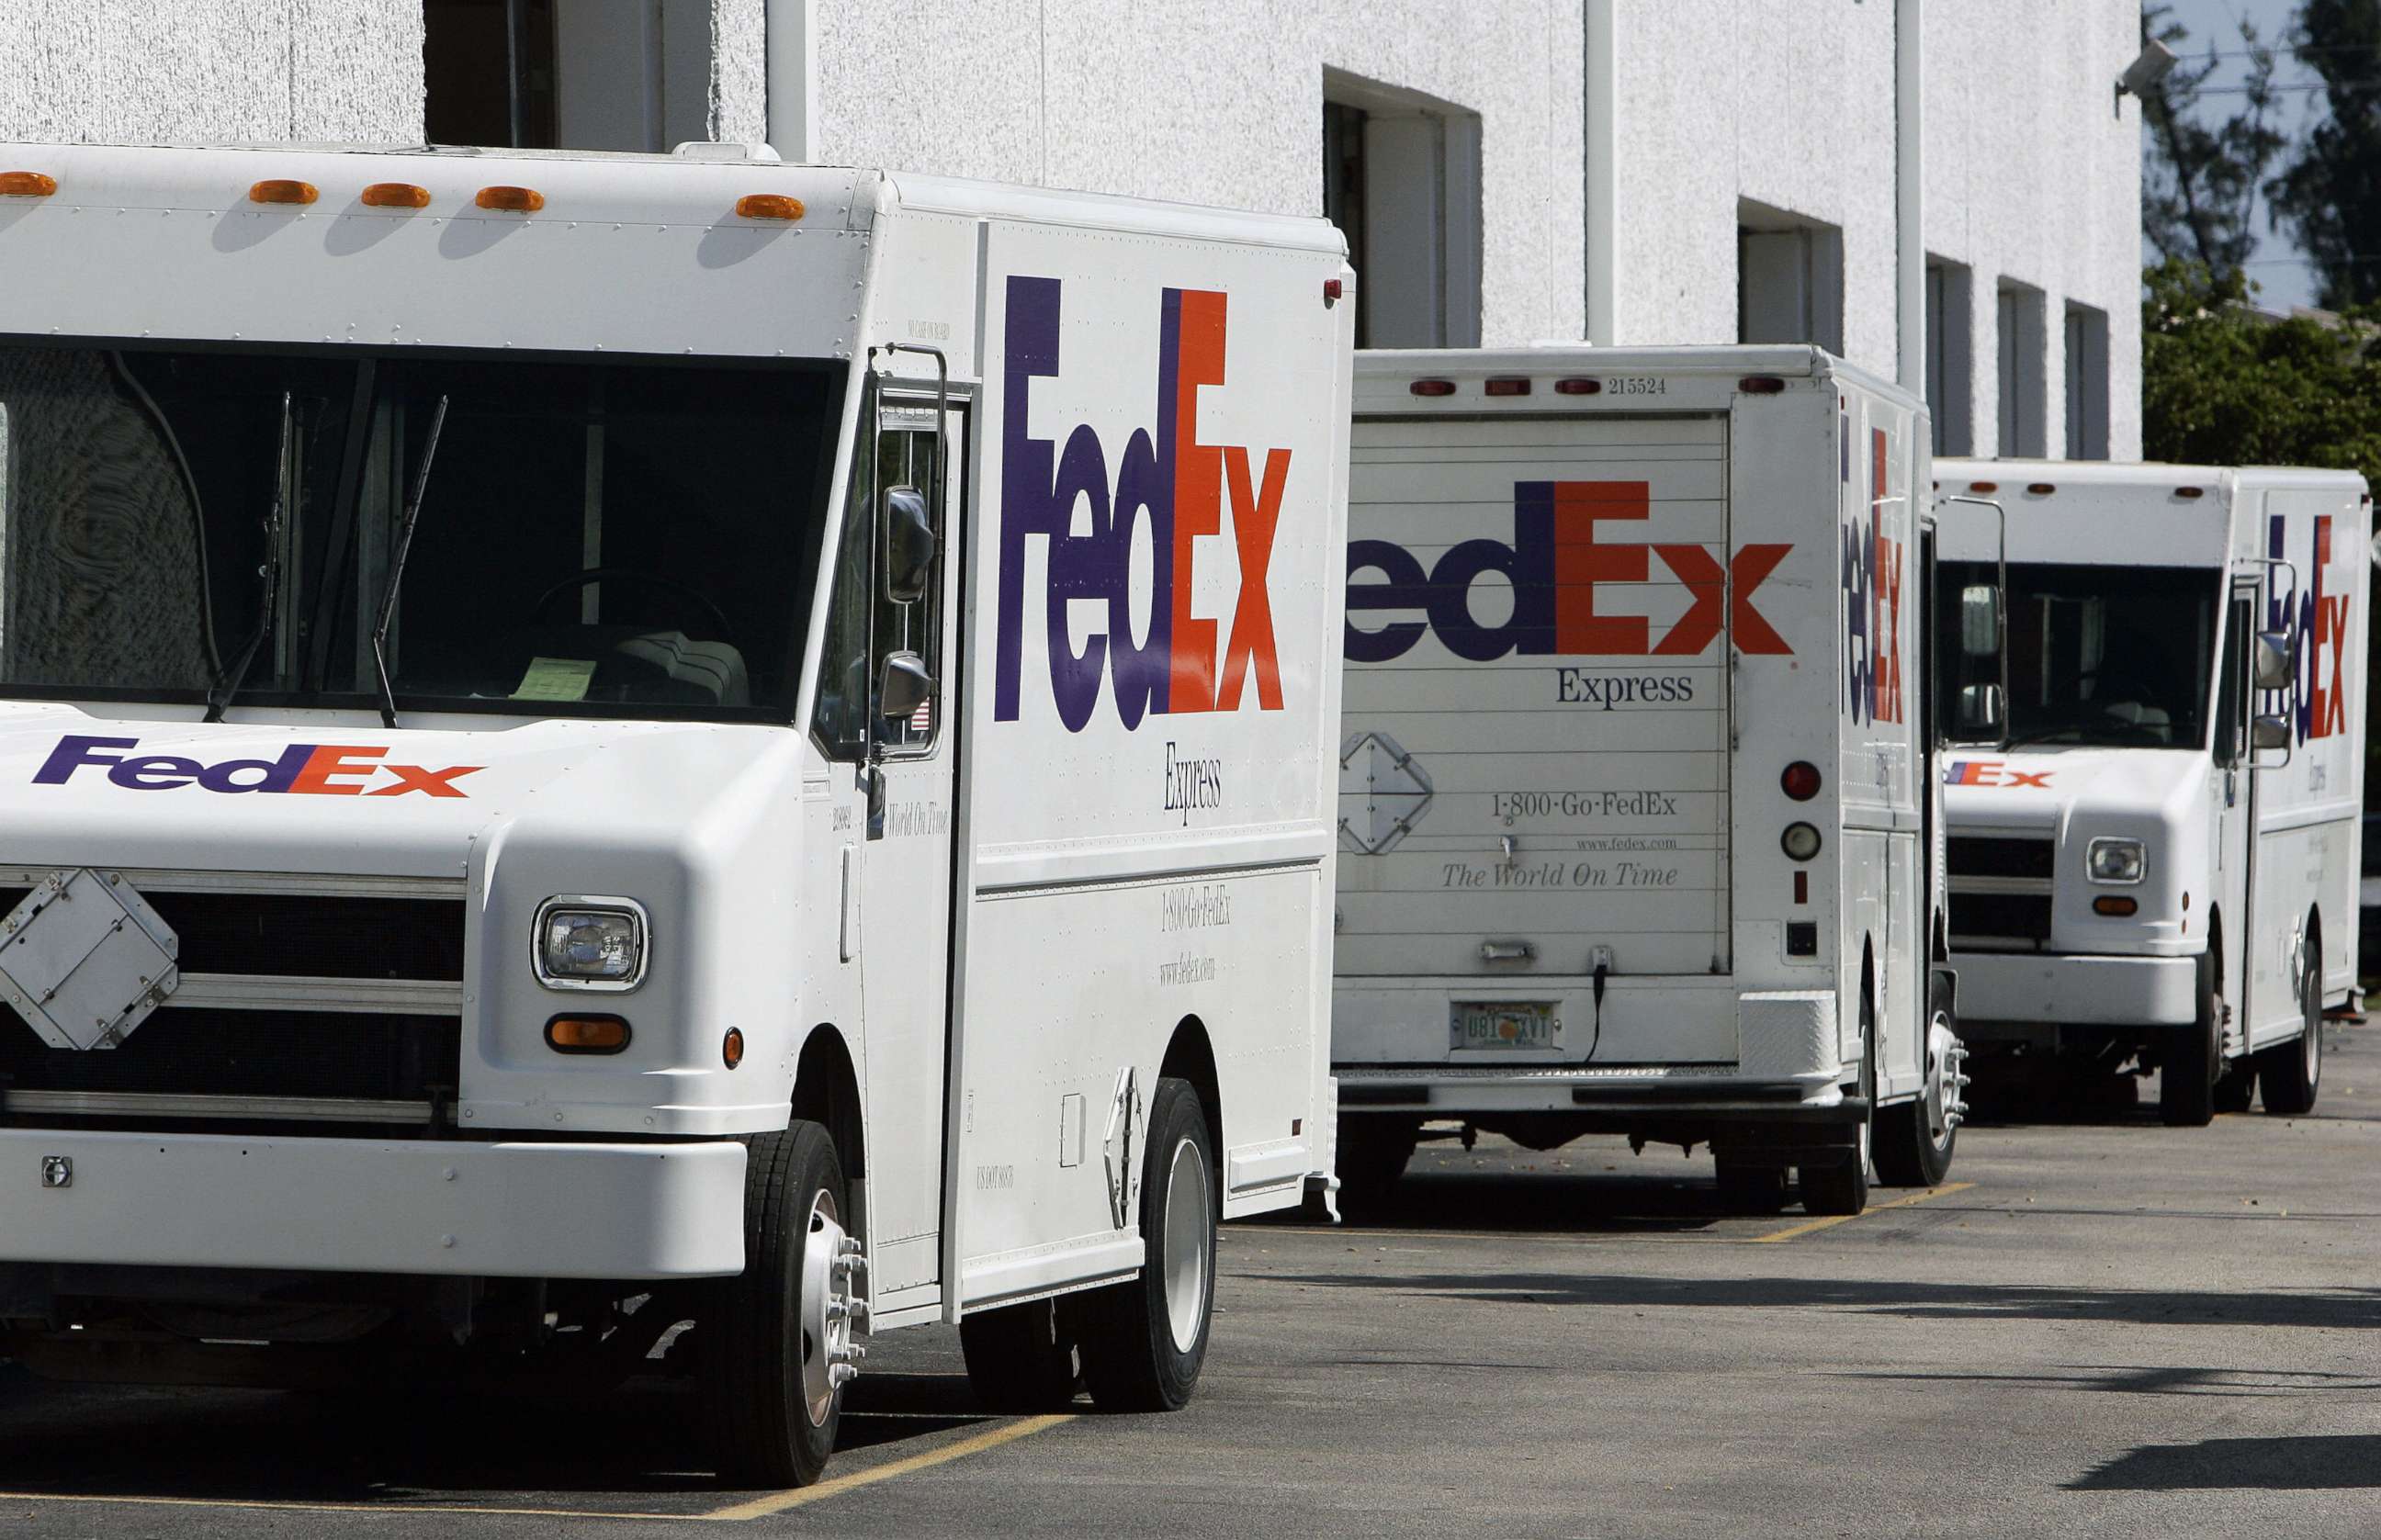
<point x="292" y="1446"/>
<point x="2330" y="1309"/>
<point x="2316" y="1462"/>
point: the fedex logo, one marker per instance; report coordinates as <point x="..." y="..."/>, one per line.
<point x="1872" y="590"/>
<point x="2317" y="627"/>
<point x="1173" y="484"/>
<point x="1556" y="564"/>
<point x="1992" y="772"/>
<point x="319" y="769"/>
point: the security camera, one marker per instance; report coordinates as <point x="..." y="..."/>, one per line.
<point x="2147" y="70"/>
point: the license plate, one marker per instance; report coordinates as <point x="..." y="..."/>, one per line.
<point x="1505" y="1024"/>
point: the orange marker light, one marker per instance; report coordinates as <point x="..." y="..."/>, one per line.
<point x="396" y="195"/>
<point x="26" y="184"/>
<point x="2114" y="905"/>
<point x="2190" y="492"/>
<point x="281" y="189"/>
<point x="1984" y="486"/>
<point x="519" y="201"/>
<point x="769" y="205"/>
<point x="1761" y="384"/>
<point x="2041" y="489"/>
<point x="587" y="1034"/>
<point x="731" y="1048"/>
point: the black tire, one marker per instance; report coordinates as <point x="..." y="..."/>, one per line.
<point x="1838" y="1186"/>
<point x="2291" y="1073"/>
<point x="1134" y="1352"/>
<point x="1372" y="1154"/>
<point x="2193" y="1059"/>
<point x="764" y="1426"/>
<point x="2237" y="1086"/>
<point x="1020" y="1358"/>
<point x="1914" y="1139"/>
<point x="1759" y="1191"/>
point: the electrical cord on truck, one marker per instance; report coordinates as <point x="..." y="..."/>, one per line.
<point x="1596" y="1040"/>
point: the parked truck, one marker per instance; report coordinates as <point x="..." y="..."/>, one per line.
<point x="1637" y="804"/>
<point x="2159" y="682"/>
<point x="613" y="763"/>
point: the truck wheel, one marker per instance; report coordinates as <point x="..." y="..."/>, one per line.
<point x="776" y="1343"/>
<point x="1914" y="1140"/>
<point x="1837" y="1182"/>
<point x="2193" y="1059"/>
<point x="2237" y="1086"/>
<point x="1143" y="1340"/>
<point x="2293" y="1071"/>
<point x="1372" y="1154"/>
<point x="1020" y="1358"/>
<point x="1754" y="1190"/>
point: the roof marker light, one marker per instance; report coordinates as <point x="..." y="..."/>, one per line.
<point x="395" y="195"/>
<point x="1761" y="384"/>
<point x="1508" y="385"/>
<point x="1433" y="387"/>
<point x="2190" y="492"/>
<point x="1332" y="289"/>
<point x="519" y="201"/>
<point x="769" y="205"/>
<point x="26" y="184"/>
<point x="1579" y="385"/>
<point x="1985" y="487"/>
<point x="2040" y="488"/>
<point x="282" y="190"/>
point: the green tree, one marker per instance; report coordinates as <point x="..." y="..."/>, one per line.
<point x="2326" y="195"/>
<point x="2199" y="186"/>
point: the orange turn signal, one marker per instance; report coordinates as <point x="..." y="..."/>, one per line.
<point x="769" y="205"/>
<point x="586" y="1035"/>
<point x="2115" y="905"/>
<point x="26" y="184"/>
<point x="396" y="195"/>
<point x="731" y="1048"/>
<point x="281" y="189"/>
<point x="519" y="201"/>
<point x="1984" y="486"/>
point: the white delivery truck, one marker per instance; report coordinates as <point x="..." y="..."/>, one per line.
<point x="1636" y="801"/>
<point x="2158" y="673"/>
<point x="596" y="743"/>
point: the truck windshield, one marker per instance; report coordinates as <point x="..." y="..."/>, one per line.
<point x="599" y="538"/>
<point x="2110" y="656"/>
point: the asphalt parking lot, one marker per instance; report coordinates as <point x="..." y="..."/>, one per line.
<point x="2099" y="1326"/>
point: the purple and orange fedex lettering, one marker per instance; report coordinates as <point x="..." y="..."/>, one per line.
<point x="316" y="769"/>
<point x="1555" y="565"/>
<point x="1174" y="484"/>
<point x="1992" y="772"/>
<point x="1871" y="592"/>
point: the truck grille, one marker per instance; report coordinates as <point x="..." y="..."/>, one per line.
<point x="2002" y="855"/>
<point x="2001" y="916"/>
<point x="2001" y="887"/>
<point x="302" y="999"/>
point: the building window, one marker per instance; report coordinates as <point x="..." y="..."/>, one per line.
<point x="2087" y="384"/>
<point x="567" y="74"/>
<point x="1951" y="357"/>
<point x="1402" y="179"/>
<point x="2022" y="420"/>
<point x="488" y="72"/>
<point x="1790" y="278"/>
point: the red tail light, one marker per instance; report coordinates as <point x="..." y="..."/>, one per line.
<point x="1433" y="387"/>
<point x="1801" y="780"/>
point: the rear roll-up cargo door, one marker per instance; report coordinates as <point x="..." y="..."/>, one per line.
<point x="1534" y="742"/>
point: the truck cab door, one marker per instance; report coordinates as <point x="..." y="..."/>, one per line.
<point x="2233" y="814"/>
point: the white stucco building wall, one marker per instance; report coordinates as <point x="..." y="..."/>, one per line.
<point x="2032" y="172"/>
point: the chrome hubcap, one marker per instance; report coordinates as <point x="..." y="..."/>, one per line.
<point x="1187" y="1237"/>
<point x="1947" y="1080"/>
<point x="833" y="1309"/>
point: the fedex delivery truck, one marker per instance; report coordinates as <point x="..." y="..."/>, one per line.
<point x="1636" y="799"/>
<point x="2154" y="805"/>
<point x="620" y="762"/>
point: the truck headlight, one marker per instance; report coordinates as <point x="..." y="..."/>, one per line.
<point x="591" y="943"/>
<point x="2116" y="861"/>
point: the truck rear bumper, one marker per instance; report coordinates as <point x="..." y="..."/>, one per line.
<point x="1612" y="1096"/>
<point x="365" y="1205"/>
<point x="2073" y="991"/>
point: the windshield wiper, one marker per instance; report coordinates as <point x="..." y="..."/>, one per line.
<point x="397" y="567"/>
<point x="228" y="682"/>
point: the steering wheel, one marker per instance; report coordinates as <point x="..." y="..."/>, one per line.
<point x="712" y="612"/>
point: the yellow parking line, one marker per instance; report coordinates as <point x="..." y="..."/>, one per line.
<point x="801" y="1497"/>
<point x="1790" y="1232"/>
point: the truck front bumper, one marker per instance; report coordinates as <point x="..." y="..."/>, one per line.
<point x="366" y="1206"/>
<point x="2070" y="991"/>
<point x="1616" y="1097"/>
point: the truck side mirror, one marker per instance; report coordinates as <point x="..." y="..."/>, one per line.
<point x="1982" y="712"/>
<point x="1980" y="621"/>
<point x="904" y="686"/>
<point x="2276" y="668"/>
<point x="909" y="545"/>
<point x="2267" y="734"/>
